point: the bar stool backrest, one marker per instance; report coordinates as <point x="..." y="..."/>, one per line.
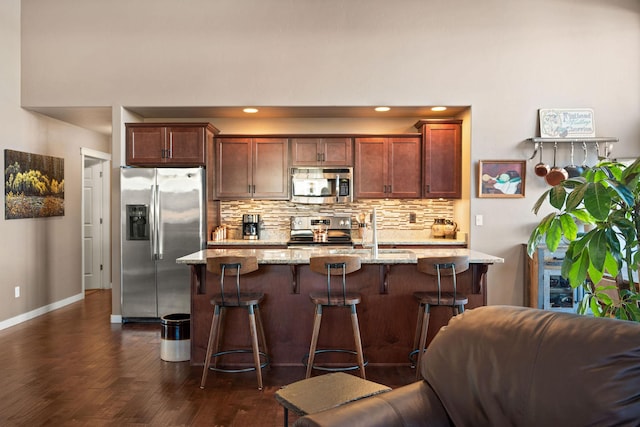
<point x="231" y="266"/>
<point x="444" y="266"/>
<point x="333" y="265"/>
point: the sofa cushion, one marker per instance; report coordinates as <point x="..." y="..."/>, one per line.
<point x="504" y="365"/>
<point x="412" y="405"/>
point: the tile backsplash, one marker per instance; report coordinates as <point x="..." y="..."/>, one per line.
<point x="393" y="214"/>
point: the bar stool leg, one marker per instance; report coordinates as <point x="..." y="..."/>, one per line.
<point x="261" y="335"/>
<point x="358" y="341"/>
<point x="212" y="337"/>
<point x="423" y="338"/>
<point x="416" y="339"/>
<point x="219" y="335"/>
<point x="254" y="344"/>
<point x="314" y="339"/>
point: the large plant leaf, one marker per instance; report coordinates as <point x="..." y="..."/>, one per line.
<point x="595" y="274"/>
<point x="598" y="249"/>
<point x="539" y="233"/>
<point x="554" y="234"/>
<point x="534" y="241"/>
<point x="573" y="182"/>
<point x="540" y="201"/>
<point x="569" y="227"/>
<point x="611" y="265"/>
<point x="597" y="200"/>
<point x="583" y="216"/>
<point x="577" y="269"/>
<point x="557" y="196"/>
<point x="580" y="244"/>
<point x="576" y="197"/>
<point x="625" y="194"/>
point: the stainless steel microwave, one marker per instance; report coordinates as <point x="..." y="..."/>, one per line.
<point x="317" y="185"/>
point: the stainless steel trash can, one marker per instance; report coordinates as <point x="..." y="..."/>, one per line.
<point x="175" y="343"/>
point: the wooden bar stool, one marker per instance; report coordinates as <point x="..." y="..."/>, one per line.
<point x="235" y="266"/>
<point x="334" y="266"/>
<point x="437" y="266"/>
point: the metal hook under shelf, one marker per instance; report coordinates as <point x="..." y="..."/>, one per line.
<point x="608" y="140"/>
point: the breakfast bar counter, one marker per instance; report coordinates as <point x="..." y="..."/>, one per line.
<point x="387" y="313"/>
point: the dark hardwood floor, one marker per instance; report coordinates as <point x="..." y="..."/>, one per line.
<point x="71" y="367"/>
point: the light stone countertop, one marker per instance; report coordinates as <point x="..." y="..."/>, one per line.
<point x="395" y="242"/>
<point x="301" y="256"/>
<point x="385" y="237"/>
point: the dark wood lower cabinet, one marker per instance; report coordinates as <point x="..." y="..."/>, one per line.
<point x="387" y="313"/>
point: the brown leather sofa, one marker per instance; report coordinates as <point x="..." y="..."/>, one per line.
<point x="513" y="366"/>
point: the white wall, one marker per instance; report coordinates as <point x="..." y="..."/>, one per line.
<point x="504" y="58"/>
<point x="42" y="256"/>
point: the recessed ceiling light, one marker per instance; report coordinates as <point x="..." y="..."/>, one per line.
<point x="438" y="108"/>
<point x="382" y="109"/>
<point x="250" y="110"/>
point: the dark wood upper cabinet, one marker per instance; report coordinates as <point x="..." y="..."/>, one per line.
<point x="252" y="168"/>
<point x="442" y="158"/>
<point x="333" y="151"/>
<point x="175" y="144"/>
<point x="388" y="167"/>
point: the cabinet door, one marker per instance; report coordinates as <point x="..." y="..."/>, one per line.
<point x="305" y="151"/>
<point x="442" y="161"/>
<point x="371" y="168"/>
<point x="145" y="145"/>
<point x="185" y="146"/>
<point x="321" y="152"/>
<point x="270" y="168"/>
<point x="404" y="168"/>
<point x="337" y="151"/>
<point x="233" y="168"/>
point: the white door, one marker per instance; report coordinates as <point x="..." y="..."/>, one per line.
<point x="93" y="268"/>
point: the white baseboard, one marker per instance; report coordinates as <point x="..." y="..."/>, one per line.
<point x="40" y="311"/>
<point x="116" y="318"/>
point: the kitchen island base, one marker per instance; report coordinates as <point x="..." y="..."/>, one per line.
<point x="387" y="312"/>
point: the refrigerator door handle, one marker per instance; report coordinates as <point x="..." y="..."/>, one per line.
<point x="153" y="223"/>
<point x="159" y="235"/>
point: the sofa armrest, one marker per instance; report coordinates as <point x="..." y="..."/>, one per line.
<point x="414" y="404"/>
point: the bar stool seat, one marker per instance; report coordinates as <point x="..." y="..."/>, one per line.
<point x="335" y="265"/>
<point x="436" y="266"/>
<point x="235" y="266"/>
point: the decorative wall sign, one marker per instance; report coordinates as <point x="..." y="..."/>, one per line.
<point x="33" y="185"/>
<point x="501" y="178"/>
<point x="565" y="123"/>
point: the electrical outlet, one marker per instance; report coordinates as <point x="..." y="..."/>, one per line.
<point x="412" y="217"/>
<point x="17" y="291"/>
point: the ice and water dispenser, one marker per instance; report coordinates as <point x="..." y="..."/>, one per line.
<point x="137" y="222"/>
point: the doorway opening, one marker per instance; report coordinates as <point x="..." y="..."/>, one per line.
<point x="95" y="235"/>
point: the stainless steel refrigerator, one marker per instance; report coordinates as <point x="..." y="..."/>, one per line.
<point x="163" y="218"/>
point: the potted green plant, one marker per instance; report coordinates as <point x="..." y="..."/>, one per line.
<point x="605" y="200"/>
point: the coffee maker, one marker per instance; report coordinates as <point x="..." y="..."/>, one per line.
<point x="250" y="227"/>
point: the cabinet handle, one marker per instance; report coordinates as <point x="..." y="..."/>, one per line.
<point x="428" y="188"/>
<point x="249" y="188"/>
<point x="318" y="159"/>
<point x="322" y="156"/>
<point x="162" y="153"/>
<point x="254" y="189"/>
